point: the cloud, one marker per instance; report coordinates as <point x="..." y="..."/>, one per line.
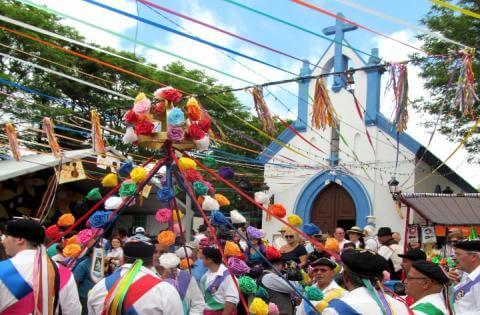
<point x="440" y="146"/>
<point x="98" y="16"/>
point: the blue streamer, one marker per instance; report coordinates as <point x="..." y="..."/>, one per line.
<point x="195" y="38"/>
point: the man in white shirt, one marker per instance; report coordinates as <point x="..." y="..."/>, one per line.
<point x="324" y="272"/>
<point x="467" y="292"/>
<point x="146" y="294"/>
<point x="362" y="269"/>
<point x="427" y="283"/>
<point x="340" y="237"/>
<point x="221" y="294"/>
<point x="24" y="243"/>
<point x="390" y="250"/>
<point x="371" y="242"/>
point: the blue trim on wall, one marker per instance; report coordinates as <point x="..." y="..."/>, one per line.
<point x="358" y="192"/>
<point x="355" y="52"/>
<point x="274" y="147"/>
<point x="302" y="110"/>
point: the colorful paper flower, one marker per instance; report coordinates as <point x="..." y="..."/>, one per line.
<point x="72" y="250"/>
<point x="294" y="220"/>
<point x="94" y="194"/>
<point x="142" y="107"/>
<point x="222" y="200"/>
<point x="110" y="180"/>
<point x="175" y="133"/>
<point x="278" y="210"/>
<point x="185" y="163"/>
<point x="52" y="232"/>
<point x="166" y="238"/>
<point x="195" y="132"/>
<point x="144" y="128"/>
<point x="163" y="215"/>
<point x="193" y="175"/>
<point x="247" y="285"/>
<point x="99" y="219"/>
<point x="130" y="117"/>
<point x="138" y="174"/>
<point x="231" y="249"/>
<point x="175" y="117"/>
<point x="66" y="219"/>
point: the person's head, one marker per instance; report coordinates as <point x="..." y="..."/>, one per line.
<point x="354" y="234"/>
<point x="291" y="237"/>
<point x="134" y="250"/>
<point x="116" y="241"/>
<point x="22" y="234"/>
<point x="425" y="278"/>
<point x="454" y="236"/>
<point x="414" y="245"/>
<point x="59" y="247"/>
<point x="467" y="255"/>
<point x="361" y="264"/>
<point x="203" y="229"/>
<point x="160" y="249"/>
<point x="384" y="234"/>
<point x="323" y="271"/>
<point x="282" y="230"/>
<point x="319" y="245"/>
<point x="211" y="257"/>
<point x="397" y="237"/>
<point x="411" y="256"/>
<point x="339" y="234"/>
<point x="369" y="230"/>
<point x="140" y="230"/>
<point x="122" y="233"/>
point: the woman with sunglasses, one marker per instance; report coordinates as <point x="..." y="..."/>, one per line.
<point x="294" y="250"/>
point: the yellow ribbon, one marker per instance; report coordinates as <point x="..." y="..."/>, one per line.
<point x="456" y="8"/>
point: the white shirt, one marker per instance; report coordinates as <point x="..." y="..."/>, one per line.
<point x="371" y="244"/>
<point x="226" y="292"/>
<point x="116" y="253"/>
<point x="162" y="299"/>
<point x="392" y="252"/>
<point x="342" y="243"/>
<point x="436" y="299"/>
<point x="197" y="238"/>
<point x="193" y="299"/>
<point x="332" y="286"/>
<point x="470" y="303"/>
<point x="274" y="282"/>
<point x="360" y="300"/>
<point x="23" y="262"/>
<point x="279" y="242"/>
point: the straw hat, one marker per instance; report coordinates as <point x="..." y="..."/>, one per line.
<point x="356" y="230"/>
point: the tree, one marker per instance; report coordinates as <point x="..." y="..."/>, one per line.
<point x="435" y="71"/>
<point x="80" y="99"/>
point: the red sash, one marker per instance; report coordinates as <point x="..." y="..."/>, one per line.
<point x="138" y="289"/>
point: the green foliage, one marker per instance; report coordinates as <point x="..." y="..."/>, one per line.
<point x="435" y="71"/>
<point x="80" y="99"/>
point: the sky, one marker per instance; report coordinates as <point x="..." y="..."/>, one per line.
<point x="282" y="37"/>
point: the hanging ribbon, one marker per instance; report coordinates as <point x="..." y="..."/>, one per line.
<point x="97" y="139"/>
<point x="360" y="114"/>
<point x="465" y="96"/>
<point x="52" y="140"/>
<point x="286" y="125"/>
<point x="399" y="83"/>
<point x="323" y="112"/>
<point x="262" y="111"/>
<point x="11" y="133"/>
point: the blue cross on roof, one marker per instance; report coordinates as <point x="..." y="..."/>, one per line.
<point x="339" y="61"/>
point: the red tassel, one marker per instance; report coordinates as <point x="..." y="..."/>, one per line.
<point x="11" y="133"/>
<point x="52" y="140"/>
<point x="262" y="111"/>
<point x="97" y="140"/>
<point x="323" y="112"/>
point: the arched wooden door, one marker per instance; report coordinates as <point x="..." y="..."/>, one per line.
<point x="333" y="207"/>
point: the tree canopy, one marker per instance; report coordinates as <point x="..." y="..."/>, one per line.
<point x="435" y="70"/>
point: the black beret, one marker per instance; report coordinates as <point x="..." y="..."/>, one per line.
<point x="414" y="255"/>
<point x="138" y="249"/>
<point x="469" y="245"/>
<point x="28" y="229"/>
<point x="364" y="263"/>
<point x="324" y="262"/>
<point x="431" y="270"/>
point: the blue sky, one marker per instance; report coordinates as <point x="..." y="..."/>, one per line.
<point x="271" y="33"/>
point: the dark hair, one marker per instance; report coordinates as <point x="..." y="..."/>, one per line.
<point x="202" y="228"/>
<point x="148" y="262"/>
<point x="213" y="254"/>
<point x="115" y="236"/>
<point x="355" y="280"/>
<point x="122" y="232"/>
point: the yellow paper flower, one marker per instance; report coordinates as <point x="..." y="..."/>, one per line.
<point x="222" y="200"/>
<point x="166" y="238"/>
<point x="111" y="180"/>
<point x="294" y="220"/>
<point x="180" y="214"/>
<point x="186" y="164"/>
<point x="66" y="219"/>
<point x="140" y="96"/>
<point x="258" y="307"/>
<point x="72" y="250"/>
<point x="138" y="174"/>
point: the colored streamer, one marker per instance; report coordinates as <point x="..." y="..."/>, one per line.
<point x="456" y="8"/>
<point x="11" y="133"/>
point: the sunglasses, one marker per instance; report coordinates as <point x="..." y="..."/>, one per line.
<point x="289" y="236"/>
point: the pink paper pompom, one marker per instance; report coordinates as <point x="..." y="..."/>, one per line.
<point x="142" y="106"/>
<point x="273" y="309"/>
<point x="163" y="215"/>
<point x="85" y="235"/>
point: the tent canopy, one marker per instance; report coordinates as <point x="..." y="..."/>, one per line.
<point x="448" y="209"/>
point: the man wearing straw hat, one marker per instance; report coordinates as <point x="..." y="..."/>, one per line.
<point x="30" y="282"/>
<point x="362" y="277"/>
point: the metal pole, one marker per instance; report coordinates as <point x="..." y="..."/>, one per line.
<point x="188" y="218"/>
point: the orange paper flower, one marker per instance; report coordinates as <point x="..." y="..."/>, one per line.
<point x="72" y="240"/>
<point x="222" y="200"/>
<point x="278" y="210"/>
<point x="184" y="264"/>
<point x="200" y="200"/>
<point x="231" y="249"/>
<point x="72" y="250"/>
<point x="332" y="245"/>
<point x="66" y="219"/>
<point x="166" y="238"/>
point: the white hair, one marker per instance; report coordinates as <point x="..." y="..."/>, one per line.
<point x="369" y="230"/>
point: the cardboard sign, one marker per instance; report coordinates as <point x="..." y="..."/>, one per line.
<point x="97" y="268"/>
<point x="428" y="235"/>
<point x="71" y="172"/>
<point x="109" y="163"/>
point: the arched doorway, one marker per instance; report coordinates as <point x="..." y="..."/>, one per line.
<point x="333" y="207"/>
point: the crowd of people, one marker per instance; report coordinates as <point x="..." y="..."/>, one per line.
<point x="233" y="269"/>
